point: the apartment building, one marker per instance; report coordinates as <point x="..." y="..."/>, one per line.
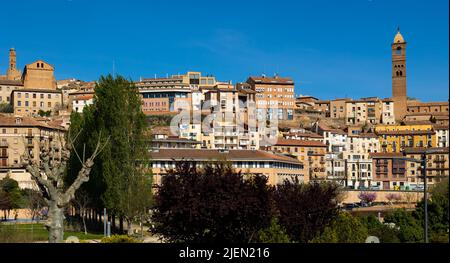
<point x="338" y="108"/>
<point x="427" y="107"/>
<point x="442" y="135"/>
<point x="233" y="121"/>
<point x="323" y="106"/>
<point x="20" y="135"/>
<point x="394" y="138"/>
<point x="305" y="102"/>
<point x="275" y="166"/>
<point x="174" y="93"/>
<point x="28" y="102"/>
<point x="437" y="165"/>
<point x="275" y="97"/>
<point x="306" y="136"/>
<point x="390" y="171"/>
<point x="310" y="153"/>
<point x="335" y="139"/>
<point x="7" y="87"/>
<point x="336" y="168"/>
<point x="80" y="99"/>
<point x="369" y="110"/>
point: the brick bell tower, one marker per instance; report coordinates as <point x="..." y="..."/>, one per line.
<point x="12" y="73"/>
<point x="399" y="76"/>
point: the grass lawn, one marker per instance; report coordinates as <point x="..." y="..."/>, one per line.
<point x="19" y="233"/>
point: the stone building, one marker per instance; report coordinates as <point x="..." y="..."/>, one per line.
<point x="20" y="135"/>
<point x="275" y="97"/>
<point x="310" y="153"/>
<point x="399" y="76"/>
<point x="276" y="167"/>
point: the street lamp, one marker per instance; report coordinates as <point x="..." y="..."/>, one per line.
<point x="423" y="163"/>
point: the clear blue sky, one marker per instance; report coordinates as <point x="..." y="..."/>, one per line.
<point x="330" y="48"/>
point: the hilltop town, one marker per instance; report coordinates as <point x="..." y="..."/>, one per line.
<point x="361" y="143"/>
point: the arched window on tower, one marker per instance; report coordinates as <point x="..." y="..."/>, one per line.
<point x="401" y="73"/>
<point x="399" y="50"/>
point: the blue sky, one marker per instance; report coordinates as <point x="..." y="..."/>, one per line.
<point x="330" y="48"/>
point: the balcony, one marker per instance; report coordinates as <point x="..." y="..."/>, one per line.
<point x="439" y="160"/>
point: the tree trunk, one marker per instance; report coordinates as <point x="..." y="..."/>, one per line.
<point x="121" y="225"/>
<point x="55" y="224"/>
<point x="113" y="222"/>
<point x="84" y="225"/>
<point x="129" y="228"/>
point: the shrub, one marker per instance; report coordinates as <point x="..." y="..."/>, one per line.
<point x="119" y="239"/>
<point x="273" y="234"/>
<point x="367" y="197"/>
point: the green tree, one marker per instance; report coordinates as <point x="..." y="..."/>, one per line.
<point x="275" y="233"/>
<point x="6" y="108"/>
<point x="122" y="180"/>
<point x="10" y="195"/>
<point x="409" y="229"/>
<point x="382" y="231"/>
<point x="344" y="229"/>
<point x="44" y="113"/>
<point x="438" y="212"/>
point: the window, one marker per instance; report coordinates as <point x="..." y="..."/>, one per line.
<point x="398" y="51"/>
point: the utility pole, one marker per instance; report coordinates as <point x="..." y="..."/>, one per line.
<point x="425" y="196"/>
<point x="105" y="218"/>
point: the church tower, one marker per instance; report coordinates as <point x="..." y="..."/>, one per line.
<point x="13" y="73"/>
<point x="399" y="76"/>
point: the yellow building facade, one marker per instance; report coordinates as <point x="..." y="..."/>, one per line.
<point x="394" y="138"/>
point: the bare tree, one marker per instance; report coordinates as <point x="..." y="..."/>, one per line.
<point x="48" y="173"/>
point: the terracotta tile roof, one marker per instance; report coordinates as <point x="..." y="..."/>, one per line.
<point x="209" y="154"/>
<point x="11" y="82"/>
<point x="292" y="142"/>
<point x="38" y="90"/>
<point x="417" y="122"/>
<point x="20" y="121"/>
<point x="367" y="135"/>
<point x="161" y="130"/>
<point x="303" y="134"/>
<point x="427" y="113"/>
<point x="412" y="150"/>
<point x="385" y="155"/>
<point x="270" y="80"/>
<point x="404" y="132"/>
<point x="435" y="103"/>
<point x="440" y="127"/>
<point x="85" y="97"/>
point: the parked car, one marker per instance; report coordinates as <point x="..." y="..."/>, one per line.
<point x="350" y="206"/>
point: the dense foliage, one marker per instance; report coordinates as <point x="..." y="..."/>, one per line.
<point x="211" y="204"/>
<point x="120" y="179"/>
<point x="305" y="209"/>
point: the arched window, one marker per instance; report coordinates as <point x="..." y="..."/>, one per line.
<point x="42" y="65"/>
<point x="401" y="73"/>
<point x="37" y="65"/>
<point x="399" y="50"/>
